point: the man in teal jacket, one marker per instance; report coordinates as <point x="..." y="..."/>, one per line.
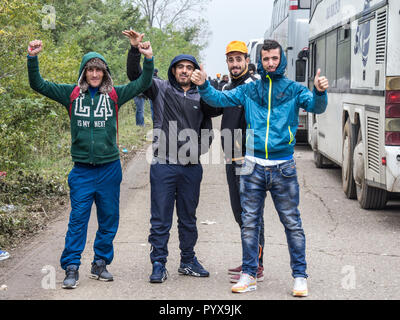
<point x="272" y="108"/>
<point x="92" y="105"/>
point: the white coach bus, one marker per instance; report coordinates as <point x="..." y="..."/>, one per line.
<point x="254" y="47"/>
<point x="290" y="26"/>
<point x="356" y="45"/>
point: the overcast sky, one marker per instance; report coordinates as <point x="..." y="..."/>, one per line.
<point x="233" y="20"/>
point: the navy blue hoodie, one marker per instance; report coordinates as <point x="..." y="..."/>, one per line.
<point x="174" y="111"/>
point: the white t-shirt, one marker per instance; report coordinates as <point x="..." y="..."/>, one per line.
<point x="265" y="162"/>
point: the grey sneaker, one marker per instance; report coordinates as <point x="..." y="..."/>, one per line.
<point x="100" y="272"/>
<point x="71" y="280"/>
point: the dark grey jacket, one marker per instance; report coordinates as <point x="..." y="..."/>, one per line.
<point x="175" y="111"/>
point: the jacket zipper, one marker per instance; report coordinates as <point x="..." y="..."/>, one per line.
<point x="91" y="132"/>
<point x="269" y="115"/>
<point x="248" y="134"/>
<point x="291" y="136"/>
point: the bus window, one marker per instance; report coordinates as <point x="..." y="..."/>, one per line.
<point x="343" y="59"/>
<point x="301" y="66"/>
<point x="311" y="66"/>
<point x="313" y="6"/>
<point x="258" y="53"/>
<point x="331" y="44"/>
<point x="286" y="9"/>
<point x="304" y="4"/>
<point x="320" y="55"/>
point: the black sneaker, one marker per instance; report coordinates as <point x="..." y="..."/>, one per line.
<point x="99" y="271"/>
<point x="159" y="274"/>
<point x="194" y="268"/>
<point x="72" y="277"/>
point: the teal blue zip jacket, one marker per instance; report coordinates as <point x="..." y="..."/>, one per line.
<point x="272" y="110"/>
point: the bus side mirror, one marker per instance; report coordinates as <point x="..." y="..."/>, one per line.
<point x="301" y="66"/>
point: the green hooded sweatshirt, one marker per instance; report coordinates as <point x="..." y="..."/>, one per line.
<point x="93" y="121"/>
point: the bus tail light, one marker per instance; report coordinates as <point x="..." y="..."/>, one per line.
<point x="392" y="138"/>
<point x="393" y="96"/>
<point x="294" y="5"/>
<point x="392" y="111"/>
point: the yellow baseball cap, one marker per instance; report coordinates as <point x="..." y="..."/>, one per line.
<point x="237" y="46"/>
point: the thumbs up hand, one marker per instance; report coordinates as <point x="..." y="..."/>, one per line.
<point x="199" y="77"/>
<point x="321" y="83"/>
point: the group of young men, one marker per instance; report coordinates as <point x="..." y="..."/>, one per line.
<point x="261" y="115"/>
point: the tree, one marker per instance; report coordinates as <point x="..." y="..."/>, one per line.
<point x="170" y="12"/>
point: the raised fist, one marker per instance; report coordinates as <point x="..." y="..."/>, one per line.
<point x="145" y="49"/>
<point x="35" y="47"/>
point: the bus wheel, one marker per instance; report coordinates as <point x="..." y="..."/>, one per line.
<point x="367" y="196"/>
<point x="349" y="136"/>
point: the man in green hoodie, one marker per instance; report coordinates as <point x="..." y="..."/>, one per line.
<point x="92" y="105"/>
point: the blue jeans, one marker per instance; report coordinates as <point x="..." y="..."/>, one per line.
<point x="281" y="182"/>
<point x="233" y="178"/>
<point x="88" y="184"/>
<point x="139" y="102"/>
<point x="172" y="184"/>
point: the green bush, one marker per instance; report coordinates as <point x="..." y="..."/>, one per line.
<point x="34" y="130"/>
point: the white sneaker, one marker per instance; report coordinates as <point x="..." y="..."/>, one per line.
<point x="246" y="283"/>
<point x="300" y="287"/>
<point x="4" y="255"/>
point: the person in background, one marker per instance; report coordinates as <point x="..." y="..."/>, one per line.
<point x="214" y="82"/>
<point x="139" y="102"/>
<point x="223" y="82"/>
<point x="253" y="71"/>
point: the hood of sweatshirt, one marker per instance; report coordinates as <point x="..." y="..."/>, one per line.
<point x="107" y="83"/>
<point x="174" y="61"/>
<point x="278" y="73"/>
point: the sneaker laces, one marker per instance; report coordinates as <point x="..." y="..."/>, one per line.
<point x="245" y="279"/>
<point x="70" y="272"/>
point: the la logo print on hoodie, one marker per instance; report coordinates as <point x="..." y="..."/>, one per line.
<point x="103" y="109"/>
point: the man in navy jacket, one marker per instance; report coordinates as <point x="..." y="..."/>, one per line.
<point x="176" y="172"/>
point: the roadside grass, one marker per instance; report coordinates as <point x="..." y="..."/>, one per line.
<point x="132" y="137"/>
<point x="37" y="193"/>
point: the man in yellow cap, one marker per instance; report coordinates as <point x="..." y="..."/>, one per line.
<point x="233" y="136"/>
